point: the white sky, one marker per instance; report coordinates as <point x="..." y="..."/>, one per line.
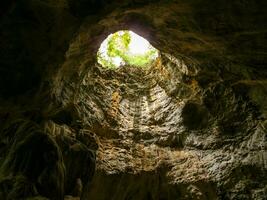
<point x="138" y="45"/>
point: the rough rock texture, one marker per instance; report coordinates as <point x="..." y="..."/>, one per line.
<point x="192" y="126"/>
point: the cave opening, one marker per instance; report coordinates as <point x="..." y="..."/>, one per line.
<point x="126" y="48"/>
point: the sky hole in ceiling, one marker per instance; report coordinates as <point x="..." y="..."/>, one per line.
<point x="126" y="48"/>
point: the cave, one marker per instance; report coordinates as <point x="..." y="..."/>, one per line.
<point x="186" y="119"/>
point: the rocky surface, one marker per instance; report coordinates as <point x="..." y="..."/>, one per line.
<point x="191" y="126"/>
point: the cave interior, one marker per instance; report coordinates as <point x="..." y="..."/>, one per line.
<point x="190" y="123"/>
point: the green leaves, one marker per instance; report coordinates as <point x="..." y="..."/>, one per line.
<point x="117" y="50"/>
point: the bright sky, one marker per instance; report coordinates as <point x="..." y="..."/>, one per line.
<point x="138" y="45"/>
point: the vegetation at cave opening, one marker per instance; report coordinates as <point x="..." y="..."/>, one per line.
<point x="126" y="48"/>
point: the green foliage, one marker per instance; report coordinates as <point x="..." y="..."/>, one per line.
<point x="105" y="62"/>
<point x="118" y="48"/>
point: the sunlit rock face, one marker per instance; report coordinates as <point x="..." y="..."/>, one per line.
<point x="192" y="125"/>
<point x="129" y="100"/>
